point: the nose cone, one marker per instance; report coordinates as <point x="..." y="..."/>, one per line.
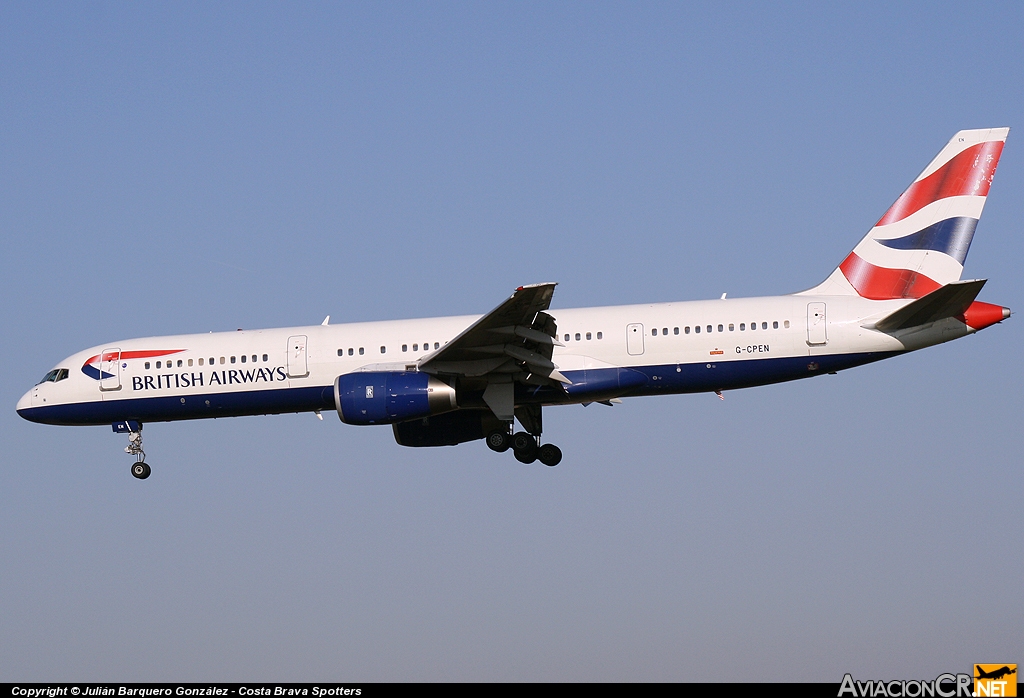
<point x="25" y="405"/>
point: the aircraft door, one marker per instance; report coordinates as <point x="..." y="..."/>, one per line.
<point x="297" y="364"/>
<point x="816" y="324"/>
<point x="635" y="339"/>
<point x="110" y="369"/>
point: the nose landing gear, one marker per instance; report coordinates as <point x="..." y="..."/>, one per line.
<point x="140" y="468"/>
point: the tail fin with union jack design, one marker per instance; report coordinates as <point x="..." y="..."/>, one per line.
<point x="922" y="241"/>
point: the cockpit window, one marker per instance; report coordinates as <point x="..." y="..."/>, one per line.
<point x="57" y="374"/>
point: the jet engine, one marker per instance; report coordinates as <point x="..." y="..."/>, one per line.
<point x="386" y="397"/>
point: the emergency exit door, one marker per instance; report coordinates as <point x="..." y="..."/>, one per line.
<point x="110" y="369"/>
<point x="297" y="364"/>
<point x="635" y="339"/>
<point x="816" y="332"/>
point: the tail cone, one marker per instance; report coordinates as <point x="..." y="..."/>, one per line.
<point x="981" y="315"/>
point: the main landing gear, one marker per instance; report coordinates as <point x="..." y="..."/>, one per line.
<point x="525" y="447"/>
<point x="140" y="468"/>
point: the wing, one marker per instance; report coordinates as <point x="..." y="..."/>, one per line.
<point x="511" y="344"/>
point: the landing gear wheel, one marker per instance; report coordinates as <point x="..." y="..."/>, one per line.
<point x="524" y="442"/>
<point x="141" y="470"/>
<point x="525" y="447"/>
<point x="550" y="455"/>
<point x="499" y="441"/>
<point x="527" y="456"/>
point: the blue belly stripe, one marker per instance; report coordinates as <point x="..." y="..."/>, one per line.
<point x="665" y="379"/>
<point x="170" y="408"/>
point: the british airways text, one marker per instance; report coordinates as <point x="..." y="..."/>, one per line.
<point x="225" y="377"/>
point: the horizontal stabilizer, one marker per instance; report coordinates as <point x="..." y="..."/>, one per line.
<point x="950" y="300"/>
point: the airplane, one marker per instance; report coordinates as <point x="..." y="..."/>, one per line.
<point x="995" y="674"/>
<point x="450" y="380"/>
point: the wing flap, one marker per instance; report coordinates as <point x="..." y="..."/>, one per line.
<point x="511" y="344"/>
<point x="516" y="318"/>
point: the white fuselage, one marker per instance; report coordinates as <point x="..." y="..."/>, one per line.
<point x="681" y="347"/>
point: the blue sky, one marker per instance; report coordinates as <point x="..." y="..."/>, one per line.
<point x="187" y="167"/>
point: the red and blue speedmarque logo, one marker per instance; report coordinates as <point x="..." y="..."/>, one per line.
<point x="92" y="367"/>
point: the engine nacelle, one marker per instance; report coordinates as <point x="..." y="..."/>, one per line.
<point x="447" y="429"/>
<point x="386" y="397"/>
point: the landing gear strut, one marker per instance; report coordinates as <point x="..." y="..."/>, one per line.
<point x="140" y="468"/>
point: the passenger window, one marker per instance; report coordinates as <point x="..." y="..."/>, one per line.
<point x="654" y="331"/>
<point x="383" y="350"/>
<point x="753" y="326"/>
<point x="232" y="359"/>
<point x="743" y="326"/>
<point x="360" y="351"/>
<point x="697" y="329"/>
<point x="786" y="324"/>
<point x="764" y="325"/>
<point x="709" y="328"/>
<point x="577" y="336"/>
<point x="588" y="335"/>
<point x="567" y="338"/>
<point x="265" y="357"/>
<point x="731" y="327"/>
<point x="775" y="325"/>
<point x="720" y="328"/>
<point x="664" y="331"/>
<point x="600" y="335"/>
<point x="686" y="330"/>
<point x="190" y="362"/>
<point x="405" y="347"/>
<point x="147" y="366"/>
<point x="415" y="347"/>
<point x="341" y="352"/>
<point x="200" y="363"/>
<point x="158" y="364"/>
<point x="243" y="358"/>
<point x="675" y="330"/>
<point x="436" y="345"/>
<point x="222" y="360"/>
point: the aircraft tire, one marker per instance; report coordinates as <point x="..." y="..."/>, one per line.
<point x="141" y="470"/>
<point x="527" y="456"/>
<point x="522" y="441"/>
<point x="499" y="441"/>
<point x="550" y="455"/>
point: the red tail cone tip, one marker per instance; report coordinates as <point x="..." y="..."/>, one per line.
<point x="981" y="315"/>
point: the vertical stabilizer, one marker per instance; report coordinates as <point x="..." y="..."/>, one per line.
<point x="922" y="241"/>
